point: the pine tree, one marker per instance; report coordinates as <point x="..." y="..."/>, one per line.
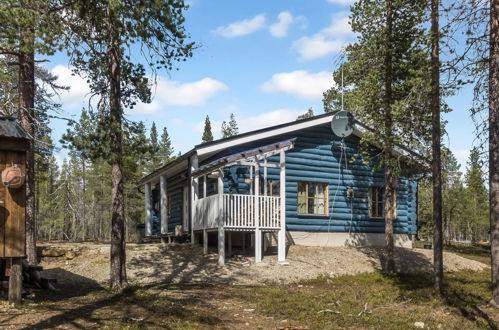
<point x="230" y="129"/>
<point x="27" y="27"/>
<point x="476" y="213"/>
<point x="104" y="32"/>
<point x="207" y="135"/>
<point x="308" y="114"/>
<point x="387" y="74"/>
<point x="154" y="159"/>
<point x="493" y="124"/>
<point x="153" y="138"/>
<point x="165" y="148"/>
<point x="438" y="262"/>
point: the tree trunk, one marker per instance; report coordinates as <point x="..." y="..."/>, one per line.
<point x="438" y="264"/>
<point x="27" y="114"/>
<point x="118" y="256"/>
<point x="494" y="145"/>
<point x="390" y="203"/>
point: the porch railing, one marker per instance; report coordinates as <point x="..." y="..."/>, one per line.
<point x="239" y="212"/>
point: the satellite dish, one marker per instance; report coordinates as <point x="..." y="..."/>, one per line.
<point x="342" y="124"/>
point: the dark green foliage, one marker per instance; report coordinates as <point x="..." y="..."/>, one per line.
<point x="465" y="202"/>
<point x="166" y="148"/>
<point x="308" y="114"/>
<point x="207" y="135"/>
<point x="230" y="129"/>
<point x="365" y="74"/>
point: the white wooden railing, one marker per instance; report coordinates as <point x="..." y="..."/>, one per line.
<point x="239" y="212"/>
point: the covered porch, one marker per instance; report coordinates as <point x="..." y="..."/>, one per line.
<point x="260" y="211"/>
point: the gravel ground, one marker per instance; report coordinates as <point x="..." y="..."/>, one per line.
<point x="149" y="263"/>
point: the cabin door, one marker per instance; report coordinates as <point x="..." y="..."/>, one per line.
<point x="185" y="208"/>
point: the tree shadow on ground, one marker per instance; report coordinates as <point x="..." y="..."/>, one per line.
<point x="136" y="307"/>
<point x="467" y="291"/>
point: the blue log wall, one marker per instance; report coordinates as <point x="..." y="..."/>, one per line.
<point x="175" y="190"/>
<point x="316" y="158"/>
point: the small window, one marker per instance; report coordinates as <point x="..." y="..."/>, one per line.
<point x="273" y="187"/>
<point x="313" y="198"/>
<point x="376" y="205"/>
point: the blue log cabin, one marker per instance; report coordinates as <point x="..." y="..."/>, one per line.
<point x="294" y="183"/>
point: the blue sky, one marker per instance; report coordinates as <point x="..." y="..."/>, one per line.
<point x="265" y="61"/>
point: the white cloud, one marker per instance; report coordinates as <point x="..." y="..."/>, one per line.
<point x="77" y="96"/>
<point x="241" y="28"/>
<point x="342" y="2"/>
<point x="168" y="92"/>
<point x="300" y="83"/>
<point x="329" y="40"/>
<point x="280" y="29"/>
<point x="268" y="119"/>
<point x="311" y="48"/>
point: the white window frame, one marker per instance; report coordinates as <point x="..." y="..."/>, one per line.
<point x="326" y="198"/>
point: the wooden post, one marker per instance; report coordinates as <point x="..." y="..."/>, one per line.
<point x="281" y="244"/>
<point x="194" y="192"/>
<point x="221" y="230"/>
<point x="265" y="184"/>
<point x="258" y="232"/>
<point x="205" y="241"/>
<point x="164" y="206"/>
<point x="244" y="242"/>
<point x="148" y="209"/>
<point x="251" y="179"/>
<point x="16" y="281"/>
<point x="204" y="186"/>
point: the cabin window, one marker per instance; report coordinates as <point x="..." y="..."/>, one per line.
<point x="273" y="187"/>
<point x="211" y="186"/>
<point x="313" y="198"/>
<point x="376" y="205"/>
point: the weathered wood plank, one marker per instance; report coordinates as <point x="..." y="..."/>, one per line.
<point x="3" y="209"/>
<point x="15" y="202"/>
<point x="16" y="281"/>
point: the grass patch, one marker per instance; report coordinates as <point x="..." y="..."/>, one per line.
<point x="476" y="252"/>
<point x="377" y="301"/>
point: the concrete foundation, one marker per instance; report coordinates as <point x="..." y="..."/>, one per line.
<point x="345" y="239"/>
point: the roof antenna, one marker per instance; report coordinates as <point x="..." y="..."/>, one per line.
<point x="342" y="88"/>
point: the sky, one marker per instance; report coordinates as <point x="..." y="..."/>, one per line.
<point x="265" y="61"/>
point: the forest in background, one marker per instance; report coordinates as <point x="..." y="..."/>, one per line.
<point x="74" y="199"/>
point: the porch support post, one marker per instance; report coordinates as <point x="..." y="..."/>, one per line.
<point x="258" y="232"/>
<point x="221" y="230"/>
<point x="205" y="232"/>
<point x="148" y="208"/>
<point x="164" y="205"/>
<point x="194" y="192"/>
<point x="204" y="186"/>
<point x="205" y="241"/>
<point x="265" y="185"/>
<point x="281" y="244"/>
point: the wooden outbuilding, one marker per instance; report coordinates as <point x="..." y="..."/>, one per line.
<point x="14" y="142"/>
